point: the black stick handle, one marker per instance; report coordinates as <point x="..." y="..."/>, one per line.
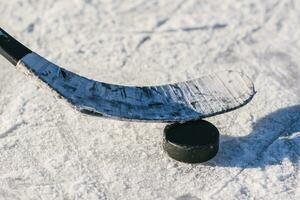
<point x="11" y="49"/>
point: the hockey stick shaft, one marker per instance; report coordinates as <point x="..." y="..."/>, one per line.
<point x="11" y="49"/>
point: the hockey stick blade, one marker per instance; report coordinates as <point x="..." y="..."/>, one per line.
<point x="203" y="97"/>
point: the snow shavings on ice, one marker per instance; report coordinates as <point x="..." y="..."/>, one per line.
<point x="50" y="151"/>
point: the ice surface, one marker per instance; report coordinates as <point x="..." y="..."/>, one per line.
<point x="50" y="151"/>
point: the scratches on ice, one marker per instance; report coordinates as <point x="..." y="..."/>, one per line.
<point x="268" y="138"/>
<point x="11" y="130"/>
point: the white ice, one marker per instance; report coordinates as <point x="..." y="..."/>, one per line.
<point x="51" y="151"/>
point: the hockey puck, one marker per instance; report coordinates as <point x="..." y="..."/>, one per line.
<point x="191" y="142"/>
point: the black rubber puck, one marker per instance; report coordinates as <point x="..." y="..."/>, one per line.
<point x="191" y="142"/>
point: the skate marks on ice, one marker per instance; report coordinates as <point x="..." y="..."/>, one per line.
<point x="274" y="138"/>
<point x="206" y="96"/>
<point x="283" y="67"/>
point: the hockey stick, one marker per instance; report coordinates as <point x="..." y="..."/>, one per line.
<point x="190" y="100"/>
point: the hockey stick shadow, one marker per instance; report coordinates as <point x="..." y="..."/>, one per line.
<point x="274" y="138"/>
